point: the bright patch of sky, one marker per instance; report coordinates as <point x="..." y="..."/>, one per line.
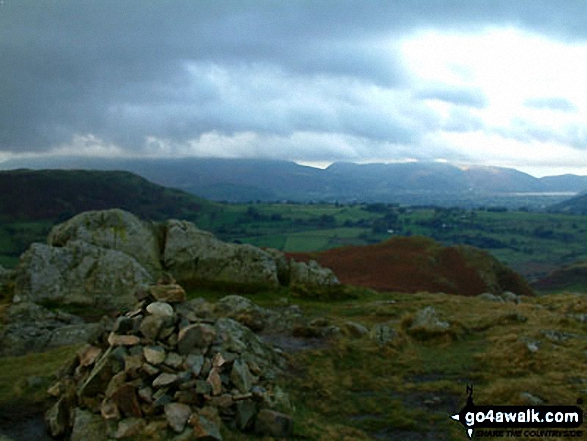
<point x="535" y="114"/>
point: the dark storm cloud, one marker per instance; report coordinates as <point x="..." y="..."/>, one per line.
<point x="120" y="70"/>
<point x="561" y="104"/>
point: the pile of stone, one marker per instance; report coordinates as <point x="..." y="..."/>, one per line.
<point x="166" y="370"/>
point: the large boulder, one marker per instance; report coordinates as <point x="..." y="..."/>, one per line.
<point x="33" y="328"/>
<point x="194" y="257"/>
<point x="80" y="274"/>
<point x="113" y="229"/>
<point x="311" y="275"/>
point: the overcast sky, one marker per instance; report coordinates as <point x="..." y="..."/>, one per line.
<point x="469" y="81"/>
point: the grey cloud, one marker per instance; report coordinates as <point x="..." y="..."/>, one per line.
<point x="117" y="69"/>
<point x="461" y="97"/>
<point x="462" y="121"/>
<point x="573" y="135"/>
<point x="554" y="103"/>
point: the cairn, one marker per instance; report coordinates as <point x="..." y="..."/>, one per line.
<point x="164" y="370"/>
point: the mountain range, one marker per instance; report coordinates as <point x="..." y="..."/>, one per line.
<point x="413" y="183"/>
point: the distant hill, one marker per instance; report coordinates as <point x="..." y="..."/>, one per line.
<point x="415" y="183"/>
<point x="60" y="194"/>
<point x="576" y="205"/>
<point x="564" y="183"/>
<point x="415" y="264"/>
<point x="569" y="278"/>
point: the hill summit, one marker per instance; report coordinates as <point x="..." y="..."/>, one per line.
<point x="417" y="264"/>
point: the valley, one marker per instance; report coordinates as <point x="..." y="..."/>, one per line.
<point x="370" y="359"/>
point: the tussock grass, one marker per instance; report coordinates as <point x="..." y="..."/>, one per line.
<point x="356" y="389"/>
<point x="24" y="380"/>
<point x="411" y="387"/>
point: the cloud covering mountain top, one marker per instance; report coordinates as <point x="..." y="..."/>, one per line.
<point x="472" y="81"/>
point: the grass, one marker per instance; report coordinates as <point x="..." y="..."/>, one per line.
<point x="357" y="385"/>
<point x="24" y="380"/>
<point x="356" y="389"/>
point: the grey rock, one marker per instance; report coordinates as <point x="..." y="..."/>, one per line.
<point x="204" y="429"/>
<point x="78" y="274"/>
<point x="427" y="323"/>
<point x="244" y="311"/>
<point x="171" y="293"/>
<point x="57" y="418"/>
<point x="195" y="363"/>
<point x="88" y="426"/>
<point x="557" y="336"/>
<point x="146" y="394"/>
<point x="99" y="377"/>
<point x="151" y="326"/>
<point x="311" y="274"/>
<point x="73" y="334"/>
<point x="509" y="296"/>
<point x="532" y="399"/>
<point x="355" y="330"/>
<point x="33" y="328"/>
<point x="154" y="354"/>
<point x="383" y="333"/>
<point x="195" y="336"/>
<point x="192" y="256"/>
<point x="129" y="427"/>
<point x="162" y="309"/>
<point x="177" y="415"/>
<point x="164" y="380"/>
<point x="174" y="360"/>
<point x="126" y="399"/>
<point x="531" y="344"/>
<point x="282" y="264"/>
<point x="245" y="413"/>
<point x="215" y="381"/>
<point x="123" y="340"/>
<point x="272" y="423"/>
<point x="581" y="318"/>
<point x="113" y="229"/>
<point x="241" y="376"/>
<point x="150" y="370"/>
<point x="491" y="297"/>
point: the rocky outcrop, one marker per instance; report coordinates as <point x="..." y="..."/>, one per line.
<point x="33" y="328"/>
<point x="114" y="230"/>
<point x="427" y="322"/>
<point x="194" y="257"/>
<point x="187" y="379"/>
<point x="78" y="273"/>
<point x="311" y="275"/>
<point x="100" y="258"/>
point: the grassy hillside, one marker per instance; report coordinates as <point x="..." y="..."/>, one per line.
<point x="531" y="243"/>
<point x="60" y="194"/>
<point x="31" y="202"/>
<point x="569" y="278"/>
<point x="417" y="264"/>
<point x="576" y="205"/>
<point x="352" y="388"/>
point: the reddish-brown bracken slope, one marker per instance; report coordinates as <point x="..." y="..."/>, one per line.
<point x="415" y="264"/>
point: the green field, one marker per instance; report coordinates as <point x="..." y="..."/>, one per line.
<point x="532" y="243"/>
